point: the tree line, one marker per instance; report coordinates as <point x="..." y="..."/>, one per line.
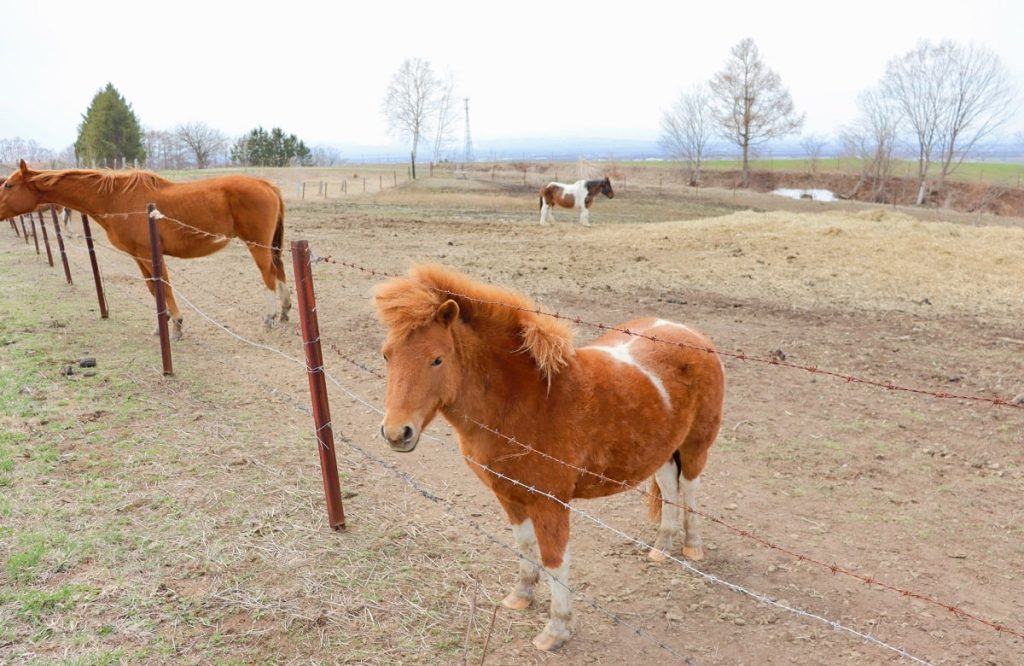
<point x="111" y="135"/>
<point x="937" y="103"/>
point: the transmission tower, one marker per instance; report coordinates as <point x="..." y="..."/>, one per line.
<point x="469" y="141"/>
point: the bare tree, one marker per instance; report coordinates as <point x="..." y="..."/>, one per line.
<point x="686" y="130"/>
<point x="409" y="102"/>
<point x="203" y="141"/>
<point x="872" y="139"/>
<point x="325" y="155"/>
<point x="751" y="104"/>
<point x="951" y="98"/>
<point x="164" y="150"/>
<point x="445" y="116"/>
<point x="813" y="145"/>
<point x="13" y="150"/>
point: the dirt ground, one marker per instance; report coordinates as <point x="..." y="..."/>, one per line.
<point x="181" y="520"/>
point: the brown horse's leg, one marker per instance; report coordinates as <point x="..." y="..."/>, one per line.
<point x="265" y="262"/>
<point x="551" y="523"/>
<point x="146" y="268"/>
<point x="667" y="478"/>
<point x="526" y="541"/>
<point x="283" y="294"/>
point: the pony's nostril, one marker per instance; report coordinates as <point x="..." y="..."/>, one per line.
<point x="406" y="433"/>
<point x="382" y="433"/>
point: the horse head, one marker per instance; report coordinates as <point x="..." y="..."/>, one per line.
<point x="606" y="188"/>
<point x="17" y="193"/>
<point x="423" y="376"/>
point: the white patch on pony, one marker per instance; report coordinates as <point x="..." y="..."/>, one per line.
<point x="621" y="353"/>
<point x="666" y="322"/>
<point x="561" y="596"/>
<point x="667" y="478"/>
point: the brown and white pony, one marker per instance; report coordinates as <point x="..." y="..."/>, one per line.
<point x="203" y="217"/>
<point x="623" y="408"/>
<point x="580" y="195"/>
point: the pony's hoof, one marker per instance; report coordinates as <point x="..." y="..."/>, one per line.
<point x="516" y="602"/>
<point x="284" y="317"/>
<point x="656" y="555"/>
<point x="695" y="553"/>
<point x="548" y="642"/>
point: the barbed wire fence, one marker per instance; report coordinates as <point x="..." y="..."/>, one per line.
<point x="422" y="489"/>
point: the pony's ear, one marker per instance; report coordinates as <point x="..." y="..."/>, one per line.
<point x="447" y="313"/>
<point x="23" y="166"/>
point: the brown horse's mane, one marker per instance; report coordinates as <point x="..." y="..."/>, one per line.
<point x="105" y="182"/>
<point x="406" y="304"/>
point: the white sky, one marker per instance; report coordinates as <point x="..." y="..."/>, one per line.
<point x="532" y="69"/>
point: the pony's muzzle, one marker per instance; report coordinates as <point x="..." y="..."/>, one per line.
<point x="401" y="438"/>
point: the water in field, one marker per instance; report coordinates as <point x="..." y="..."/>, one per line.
<point x="815" y="194"/>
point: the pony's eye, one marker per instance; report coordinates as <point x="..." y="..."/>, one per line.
<point x="437" y="361"/>
<point x="8" y="186"/>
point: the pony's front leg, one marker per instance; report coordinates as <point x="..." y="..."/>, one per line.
<point x="552" y="528"/>
<point x="526" y="541"/>
<point x="584" y="216"/>
<point x="172" y="306"/>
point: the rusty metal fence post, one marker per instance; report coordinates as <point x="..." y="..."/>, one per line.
<point x="46" y="238"/>
<point x="317" y="383"/>
<point x="35" y="238"/>
<point x="24" y="231"/>
<point x="158" y="284"/>
<point x="60" y="244"/>
<point x="13" y="226"/>
<point x="95" y="267"/>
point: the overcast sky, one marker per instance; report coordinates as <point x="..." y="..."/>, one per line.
<point x="530" y="69"/>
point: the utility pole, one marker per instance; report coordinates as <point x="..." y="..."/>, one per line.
<point x="469" y="141"/>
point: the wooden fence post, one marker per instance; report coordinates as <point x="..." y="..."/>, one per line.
<point x="95" y="267"/>
<point x="46" y="239"/>
<point x="158" y="282"/>
<point x="60" y="244"/>
<point x="306" y="297"/>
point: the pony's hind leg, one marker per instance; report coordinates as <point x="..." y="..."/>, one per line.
<point x="667" y="478"/>
<point x="284" y="296"/>
<point x="545" y="212"/>
<point x="693" y="547"/>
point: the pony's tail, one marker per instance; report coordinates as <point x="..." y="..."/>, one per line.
<point x="654" y="502"/>
<point x="540" y="202"/>
<point x="278" y="240"/>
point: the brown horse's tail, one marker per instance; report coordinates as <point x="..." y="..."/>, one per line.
<point x="540" y="204"/>
<point x="654" y="500"/>
<point x="278" y="241"/>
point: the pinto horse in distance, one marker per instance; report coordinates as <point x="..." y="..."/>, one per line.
<point x="542" y="422"/>
<point x="580" y="195"/>
<point x="201" y="218"/>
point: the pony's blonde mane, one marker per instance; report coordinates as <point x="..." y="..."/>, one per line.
<point x="104" y="182"/>
<point x="406" y="304"/>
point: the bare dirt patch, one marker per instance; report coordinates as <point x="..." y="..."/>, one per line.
<point x="181" y="520"/>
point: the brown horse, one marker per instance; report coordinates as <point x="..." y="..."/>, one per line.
<point x="203" y="216"/>
<point x="580" y="195"/>
<point x="622" y="408"/>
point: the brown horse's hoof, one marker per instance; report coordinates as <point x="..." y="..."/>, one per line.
<point x="695" y="553"/>
<point x="516" y="602"/>
<point x="548" y="642"/>
<point x="656" y="555"/>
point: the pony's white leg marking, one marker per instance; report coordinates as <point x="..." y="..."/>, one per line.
<point x="270" y="308"/>
<point x="286" y="299"/>
<point x="585" y="216"/>
<point x="526" y="542"/>
<point x="692" y="545"/>
<point x="544" y="213"/>
<point x="560" y="627"/>
<point x="667" y="478"/>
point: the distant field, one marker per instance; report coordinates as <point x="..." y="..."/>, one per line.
<point x="1001" y="173"/>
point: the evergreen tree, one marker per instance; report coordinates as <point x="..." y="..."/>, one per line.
<point x="110" y="130"/>
<point x="274" y="148"/>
